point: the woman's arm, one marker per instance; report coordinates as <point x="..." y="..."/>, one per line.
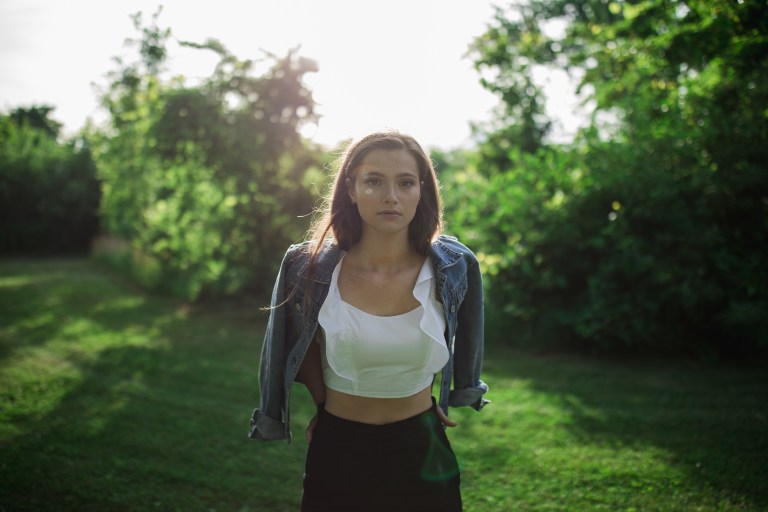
<point x="311" y="373"/>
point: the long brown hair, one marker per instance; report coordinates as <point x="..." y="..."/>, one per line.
<point x="340" y="222"/>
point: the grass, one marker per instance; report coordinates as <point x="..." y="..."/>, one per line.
<point x="111" y="399"/>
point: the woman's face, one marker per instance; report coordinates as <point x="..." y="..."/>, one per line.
<point x="386" y="188"/>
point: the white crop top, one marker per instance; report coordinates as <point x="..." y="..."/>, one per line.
<point x="383" y="356"/>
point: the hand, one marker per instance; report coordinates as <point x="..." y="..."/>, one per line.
<point x="444" y="419"/>
<point x="310" y="428"/>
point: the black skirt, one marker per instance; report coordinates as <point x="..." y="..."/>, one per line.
<point x="403" y="466"/>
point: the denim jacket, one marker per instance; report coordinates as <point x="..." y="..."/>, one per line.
<point x="293" y="322"/>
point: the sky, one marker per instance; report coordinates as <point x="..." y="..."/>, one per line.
<point x="397" y="64"/>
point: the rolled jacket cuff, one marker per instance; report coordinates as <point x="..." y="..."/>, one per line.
<point x="266" y="428"/>
<point x="469" y="397"/>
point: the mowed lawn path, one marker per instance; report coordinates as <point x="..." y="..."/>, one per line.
<point x="112" y="399"/>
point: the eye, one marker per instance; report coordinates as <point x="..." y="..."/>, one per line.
<point x="407" y="183"/>
<point x="372" y="182"/>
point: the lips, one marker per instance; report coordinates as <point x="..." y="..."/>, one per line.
<point x="390" y="213"/>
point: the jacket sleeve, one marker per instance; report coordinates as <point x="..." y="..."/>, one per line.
<point x="468" y="389"/>
<point x="267" y="422"/>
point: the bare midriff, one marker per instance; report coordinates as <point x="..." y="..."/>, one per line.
<point x="376" y="411"/>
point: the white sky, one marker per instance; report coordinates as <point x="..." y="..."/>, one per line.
<point x="383" y="64"/>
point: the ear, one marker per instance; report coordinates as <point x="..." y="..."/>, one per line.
<point x="351" y="191"/>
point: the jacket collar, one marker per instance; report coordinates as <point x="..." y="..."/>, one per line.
<point x="327" y="260"/>
<point x="442" y="255"/>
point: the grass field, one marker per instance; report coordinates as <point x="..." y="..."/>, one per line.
<point x="114" y="400"/>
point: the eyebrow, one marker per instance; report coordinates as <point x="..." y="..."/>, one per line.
<point x="405" y="174"/>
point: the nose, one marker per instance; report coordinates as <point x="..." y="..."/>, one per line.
<point x="390" y="196"/>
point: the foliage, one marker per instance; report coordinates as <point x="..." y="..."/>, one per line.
<point x="207" y="180"/>
<point x="446" y="162"/>
<point x="107" y="392"/>
<point x="649" y="231"/>
<point x="49" y="194"/>
<point x="37" y="117"/>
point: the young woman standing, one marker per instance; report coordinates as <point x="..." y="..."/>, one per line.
<point x="365" y="314"/>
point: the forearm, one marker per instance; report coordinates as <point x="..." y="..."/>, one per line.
<point x="311" y="373"/>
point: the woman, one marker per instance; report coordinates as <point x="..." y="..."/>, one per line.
<point x="365" y="314"/>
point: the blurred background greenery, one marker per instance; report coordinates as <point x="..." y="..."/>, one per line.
<point x="646" y="234"/>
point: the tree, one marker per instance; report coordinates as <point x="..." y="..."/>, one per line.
<point x="49" y="194"/>
<point x="662" y="210"/>
<point x="207" y="180"/>
<point x="36" y="117"/>
<point x="500" y="56"/>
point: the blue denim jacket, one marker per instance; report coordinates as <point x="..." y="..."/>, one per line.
<point x="293" y="322"/>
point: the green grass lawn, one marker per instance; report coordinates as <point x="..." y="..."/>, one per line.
<point x="111" y="399"/>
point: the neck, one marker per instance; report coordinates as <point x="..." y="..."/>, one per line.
<point x="377" y="250"/>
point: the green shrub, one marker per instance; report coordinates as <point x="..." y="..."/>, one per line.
<point x="49" y="194"/>
<point x="210" y="182"/>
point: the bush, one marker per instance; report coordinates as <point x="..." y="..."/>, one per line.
<point x="49" y="194"/>
<point x="209" y="182"/>
<point x="611" y="251"/>
<point x="649" y="232"/>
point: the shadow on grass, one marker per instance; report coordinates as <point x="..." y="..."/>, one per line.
<point x="44" y="300"/>
<point x="152" y="410"/>
<point x="154" y="414"/>
<point x="709" y="423"/>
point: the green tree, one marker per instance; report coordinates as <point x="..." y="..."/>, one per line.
<point x="662" y="216"/>
<point x="37" y="117"/>
<point x="49" y="194"/>
<point x="207" y="180"/>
